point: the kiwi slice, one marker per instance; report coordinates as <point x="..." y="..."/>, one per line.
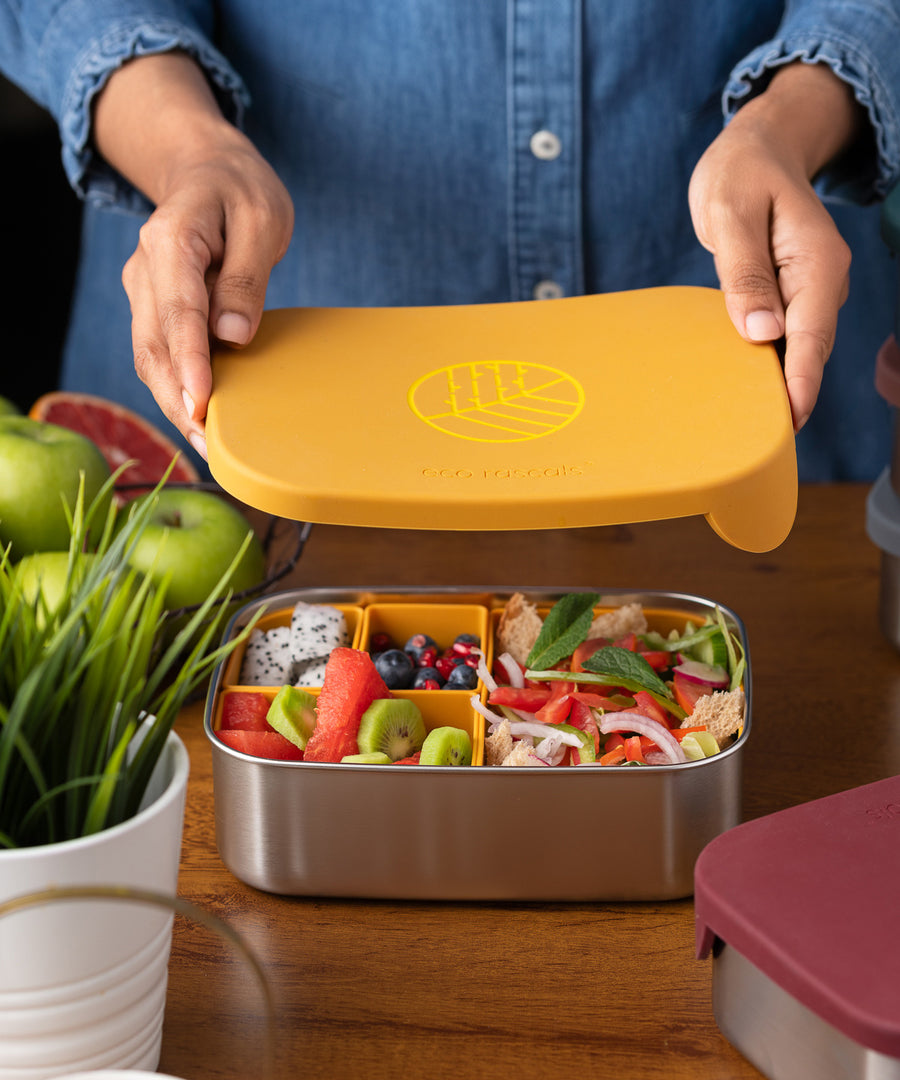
<point x="393" y="726"/>
<point x="293" y="714"/>
<point x="377" y="758"/>
<point x="446" y="746"/>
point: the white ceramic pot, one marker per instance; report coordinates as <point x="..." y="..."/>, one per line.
<point x="117" y="1074"/>
<point x="83" y="981"/>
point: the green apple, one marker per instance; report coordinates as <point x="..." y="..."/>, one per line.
<point x="9" y="408"/>
<point x="40" y="465"/>
<point x="45" y="574"/>
<point x="189" y="543"/>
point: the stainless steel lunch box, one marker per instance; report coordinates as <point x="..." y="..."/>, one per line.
<point x="798" y="910"/>
<point x="473" y="833"/>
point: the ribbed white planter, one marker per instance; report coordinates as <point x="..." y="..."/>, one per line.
<point x="83" y="981"/>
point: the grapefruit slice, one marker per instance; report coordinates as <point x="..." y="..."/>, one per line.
<point x="121" y="435"/>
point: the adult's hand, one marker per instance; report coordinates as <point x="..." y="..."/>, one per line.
<point x="222" y="221"/>
<point x="782" y="265"/>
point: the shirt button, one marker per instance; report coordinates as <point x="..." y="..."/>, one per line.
<point x="548" y="290"/>
<point x="545" y="145"/>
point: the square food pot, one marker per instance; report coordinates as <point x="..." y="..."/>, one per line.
<point x="798" y="910"/>
<point x="475" y="832"/>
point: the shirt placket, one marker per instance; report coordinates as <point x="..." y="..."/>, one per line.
<point x="545" y="129"/>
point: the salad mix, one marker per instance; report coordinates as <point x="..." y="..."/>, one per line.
<point x="581" y="696"/>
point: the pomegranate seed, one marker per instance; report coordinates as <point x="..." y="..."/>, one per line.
<point x="380" y="642"/>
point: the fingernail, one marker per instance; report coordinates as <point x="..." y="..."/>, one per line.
<point x="234" y="328"/>
<point x="199" y="443"/>
<point x="762" y="326"/>
<point x="188" y="404"/>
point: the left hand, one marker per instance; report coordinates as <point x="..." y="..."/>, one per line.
<point x="782" y="264"/>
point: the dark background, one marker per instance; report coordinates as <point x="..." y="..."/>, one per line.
<point x="39" y="222"/>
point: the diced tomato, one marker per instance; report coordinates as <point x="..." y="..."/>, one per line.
<point x="528" y="699"/>
<point x="629" y="641"/>
<point x="557" y="709"/>
<point x="582" y="718"/>
<point x="633" y="749"/>
<point x="658" y="659"/>
<point x="245" y="710"/>
<point x="613" y="757"/>
<point x="615" y="741"/>
<point x="688" y="692"/>
<point x="584" y="650"/>
<point x="648" y="705"/>
<point x="261" y="744"/>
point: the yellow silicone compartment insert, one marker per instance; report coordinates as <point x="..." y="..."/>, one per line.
<point x="442" y="622"/>
<point x="437" y="709"/>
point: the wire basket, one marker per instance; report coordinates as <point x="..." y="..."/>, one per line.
<point x="283" y="540"/>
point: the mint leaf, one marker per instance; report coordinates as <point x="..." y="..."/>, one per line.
<point x="564" y="629"/>
<point x="622" y="667"/>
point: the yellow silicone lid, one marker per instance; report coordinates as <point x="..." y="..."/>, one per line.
<point x="594" y="410"/>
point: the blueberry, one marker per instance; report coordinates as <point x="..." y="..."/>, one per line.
<point x="462" y="677"/>
<point x="427" y="678"/>
<point x="395" y="667"/>
<point x="467" y="639"/>
<point x="418" y="643"/>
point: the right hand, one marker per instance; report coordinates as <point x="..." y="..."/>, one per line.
<point x="201" y="268"/>
<point x="223" y="219"/>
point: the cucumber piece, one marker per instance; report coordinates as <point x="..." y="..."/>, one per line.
<point x="699" y="745"/>
<point x="586" y="750"/>
<point x="713" y="650"/>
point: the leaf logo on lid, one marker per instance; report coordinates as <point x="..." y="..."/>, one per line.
<point x="497" y="402"/>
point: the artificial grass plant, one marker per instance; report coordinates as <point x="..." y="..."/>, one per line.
<point x="90" y="690"/>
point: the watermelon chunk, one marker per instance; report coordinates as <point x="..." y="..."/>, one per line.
<point x="349" y="687"/>
<point x="262" y="744"/>
<point x="244" y="710"/>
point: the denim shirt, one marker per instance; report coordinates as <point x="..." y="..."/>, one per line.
<point x="472" y="151"/>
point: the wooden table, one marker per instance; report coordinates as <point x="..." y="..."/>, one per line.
<point x="372" y="990"/>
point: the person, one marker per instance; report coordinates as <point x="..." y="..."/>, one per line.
<point x="236" y="155"/>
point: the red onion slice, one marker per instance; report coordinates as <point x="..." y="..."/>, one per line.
<point x="643" y="725"/>
<point x="486" y="677"/>
<point x="540" y="730"/>
<point x="513" y="672"/>
<point x="704" y="674"/>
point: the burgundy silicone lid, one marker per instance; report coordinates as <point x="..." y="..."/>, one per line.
<point x="811" y="897"/>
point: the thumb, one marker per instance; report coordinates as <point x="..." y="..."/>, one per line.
<point x="236" y="305"/>
<point x="752" y="296"/>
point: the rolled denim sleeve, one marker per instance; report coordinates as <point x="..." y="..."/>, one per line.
<point x="62" y="55"/>
<point x="860" y="42"/>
